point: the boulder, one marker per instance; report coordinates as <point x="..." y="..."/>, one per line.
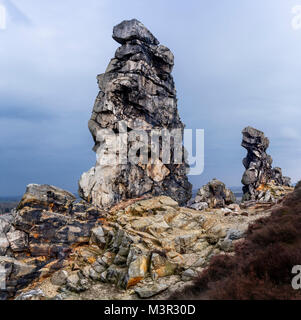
<point x="59" y="278"/>
<point x="131" y="30"/>
<point x="212" y="195"/>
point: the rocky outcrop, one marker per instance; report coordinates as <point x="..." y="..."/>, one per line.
<point x="38" y="236"/>
<point x="263" y="266"/>
<point x="212" y="195"/>
<point x="143" y="249"/>
<point x="137" y="92"/>
<point x="259" y="173"/>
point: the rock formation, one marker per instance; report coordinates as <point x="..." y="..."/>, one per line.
<point x="149" y="247"/>
<point x="37" y="236"/>
<point x="53" y="247"/>
<point x="212" y="195"/>
<point x="259" y="176"/>
<point x="261" y="267"/>
<point x="138" y="91"/>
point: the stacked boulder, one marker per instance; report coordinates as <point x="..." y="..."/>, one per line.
<point x="259" y="178"/>
<point x="212" y="195"/>
<point x="138" y="91"/>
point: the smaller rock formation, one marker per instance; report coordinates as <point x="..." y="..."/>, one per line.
<point x="260" y="269"/>
<point x="212" y="195"/>
<point x="259" y="177"/>
<point x="37" y="236"/>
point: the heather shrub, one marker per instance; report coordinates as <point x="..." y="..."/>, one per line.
<point x="262" y="265"/>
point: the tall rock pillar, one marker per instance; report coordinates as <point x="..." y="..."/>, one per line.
<point x="138" y="91"/>
<point x="258" y="164"/>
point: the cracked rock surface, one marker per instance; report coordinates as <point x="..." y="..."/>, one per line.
<point x="260" y="178"/>
<point x="138" y="89"/>
<point x="145" y="249"/>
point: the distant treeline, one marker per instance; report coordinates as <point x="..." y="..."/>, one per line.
<point x="6" y="207"/>
<point x="8" y="203"/>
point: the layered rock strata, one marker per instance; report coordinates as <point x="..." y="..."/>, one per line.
<point x="144" y="249"/>
<point x="38" y="236"/>
<point x="259" y="176"/>
<point x="137" y="93"/>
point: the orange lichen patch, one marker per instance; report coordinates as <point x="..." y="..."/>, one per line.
<point x="35" y="235"/>
<point x="91" y="260"/>
<point x="161" y="271"/>
<point x="102" y="220"/>
<point x="144" y="264"/>
<point x="76" y="247"/>
<point x="133" y="281"/>
<point x="262" y="187"/>
<point x="42" y="258"/>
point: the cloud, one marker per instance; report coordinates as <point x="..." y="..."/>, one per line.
<point x="15" y="14"/>
<point x="237" y="63"/>
<point x="291" y="133"/>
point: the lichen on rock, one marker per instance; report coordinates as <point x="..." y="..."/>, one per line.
<point x="138" y="91"/>
<point x="260" y="178"/>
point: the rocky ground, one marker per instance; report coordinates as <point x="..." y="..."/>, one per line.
<point x="264" y="266"/>
<point x="140" y="249"/>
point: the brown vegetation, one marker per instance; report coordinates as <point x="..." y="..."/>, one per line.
<point x="262" y="265"/>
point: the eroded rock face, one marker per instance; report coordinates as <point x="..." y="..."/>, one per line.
<point x="212" y="195"/>
<point x="37" y="236"/>
<point x="148" y="247"/>
<point x="259" y="173"/>
<point x="138" y="90"/>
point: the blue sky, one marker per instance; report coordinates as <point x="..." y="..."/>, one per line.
<point x="237" y="63"/>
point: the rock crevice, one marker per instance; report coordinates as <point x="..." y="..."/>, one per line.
<point x="138" y="90"/>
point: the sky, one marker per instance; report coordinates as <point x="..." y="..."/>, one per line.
<point x="237" y="63"/>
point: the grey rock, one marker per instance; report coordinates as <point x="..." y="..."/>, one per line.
<point x="31" y="295"/>
<point x="233" y="234"/>
<point x="226" y="245"/>
<point x="94" y="275"/>
<point x="59" y="278"/>
<point x="137" y="90"/>
<point x="5" y="224"/>
<point x="199" y="206"/>
<point x="133" y="29"/>
<point x="258" y="165"/>
<point x="4" y="244"/>
<point x="18" y="240"/>
<point x="73" y="283"/>
<point x="98" y="267"/>
<point x="150" y="290"/>
<point x="48" y="195"/>
<point x="214" y="195"/>
<point x="199" y="263"/>
<point x="98" y="237"/>
<point x="188" y="275"/>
